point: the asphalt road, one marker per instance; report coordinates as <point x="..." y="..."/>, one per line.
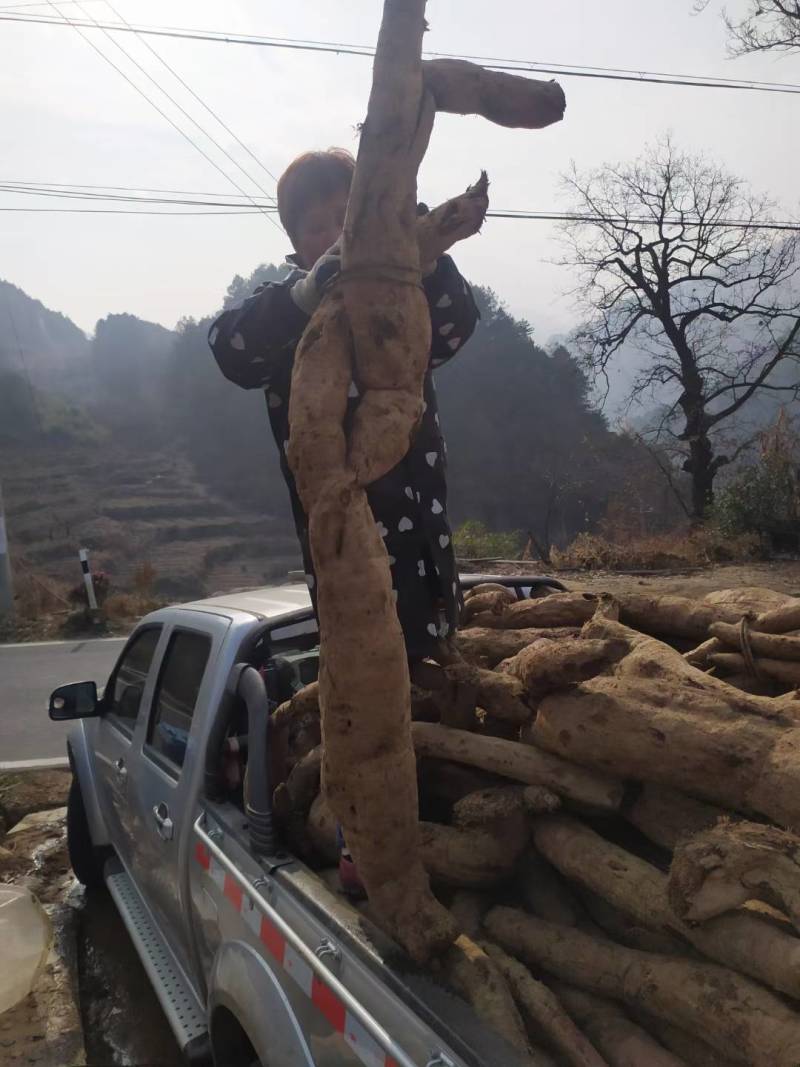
<point x="28" y="674"/>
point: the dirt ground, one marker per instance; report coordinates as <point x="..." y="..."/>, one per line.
<point x="781" y="575"/>
<point x="80" y="1010"/>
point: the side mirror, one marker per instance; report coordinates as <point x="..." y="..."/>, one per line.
<point x="78" y="700"/>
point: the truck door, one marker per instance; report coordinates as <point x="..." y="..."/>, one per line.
<point x="161" y="793"/>
<point x="126" y="696"/>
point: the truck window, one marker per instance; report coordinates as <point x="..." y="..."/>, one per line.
<point x="176" y="694"/>
<point x="125" y="688"/>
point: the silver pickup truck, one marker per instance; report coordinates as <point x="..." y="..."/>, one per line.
<point x="256" y="962"/>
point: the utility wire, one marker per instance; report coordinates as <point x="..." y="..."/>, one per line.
<point x="180" y="108"/>
<point x="199" y="99"/>
<point x="237" y="207"/>
<point x="153" y="104"/>
<point x="126" y="211"/>
<point x="514" y="65"/>
<point x="124" y="194"/>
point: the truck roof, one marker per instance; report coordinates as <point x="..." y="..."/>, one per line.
<point x="268" y="602"/>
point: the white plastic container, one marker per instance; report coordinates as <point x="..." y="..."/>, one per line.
<point x="25" y="938"/>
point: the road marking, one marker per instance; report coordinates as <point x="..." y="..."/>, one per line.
<point x="45" y="644"/>
<point x="53" y="764"/>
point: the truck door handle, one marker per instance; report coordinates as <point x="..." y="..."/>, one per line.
<point x="120" y="769"/>
<point x="163" y="821"/>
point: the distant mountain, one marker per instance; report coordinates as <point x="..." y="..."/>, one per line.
<point x="39" y="344"/>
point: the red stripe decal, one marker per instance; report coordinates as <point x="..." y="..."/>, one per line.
<point x="202" y="855"/>
<point x="329" y="1004"/>
<point x="272" y="938"/>
<point x="233" y="892"/>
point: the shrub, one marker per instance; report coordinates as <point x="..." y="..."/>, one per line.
<point x="683" y="547"/>
<point x="764" y="499"/>
<point x="473" y="540"/>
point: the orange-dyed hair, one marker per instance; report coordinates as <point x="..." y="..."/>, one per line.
<point x="312" y="176"/>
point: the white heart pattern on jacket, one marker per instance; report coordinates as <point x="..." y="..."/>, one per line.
<point x="436" y="507"/>
<point x="431" y="458"/>
<point x="444" y="540"/>
<point x="381" y="529"/>
<point x="405" y="524"/>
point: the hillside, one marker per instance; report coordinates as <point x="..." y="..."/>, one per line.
<point x="134" y="508"/>
<point x="40" y="344"/>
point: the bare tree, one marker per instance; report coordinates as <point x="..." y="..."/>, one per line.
<point x="677" y="261"/>
<point x="768" y="25"/>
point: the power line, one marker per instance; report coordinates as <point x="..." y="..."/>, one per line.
<point x="58" y="3"/>
<point x="513" y="65"/>
<point x="128" y="188"/>
<point x="236" y="207"/>
<point x="183" y="110"/>
<point x="199" y="99"/>
<point x="126" y="211"/>
<point x="160" y="110"/>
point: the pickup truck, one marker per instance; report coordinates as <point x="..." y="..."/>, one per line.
<point x="255" y="960"/>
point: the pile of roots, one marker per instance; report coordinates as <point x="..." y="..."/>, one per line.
<point x="609" y="798"/>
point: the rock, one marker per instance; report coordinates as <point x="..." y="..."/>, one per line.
<point x="22" y="793"/>
<point x="26" y="936"/>
<point x="34" y="854"/>
<point x="44" y="1029"/>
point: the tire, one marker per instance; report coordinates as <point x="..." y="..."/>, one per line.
<point x="85" y="859"/>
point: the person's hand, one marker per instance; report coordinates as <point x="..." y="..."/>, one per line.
<point x="309" y="290"/>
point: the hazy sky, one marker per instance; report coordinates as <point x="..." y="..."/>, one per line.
<point x="68" y="117"/>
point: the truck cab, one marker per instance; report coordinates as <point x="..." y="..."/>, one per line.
<point x="256" y="961"/>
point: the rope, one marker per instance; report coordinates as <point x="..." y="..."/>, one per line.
<point x="380" y="272"/>
<point x="747" y="649"/>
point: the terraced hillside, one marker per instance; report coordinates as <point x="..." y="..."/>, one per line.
<point x="129" y="509"/>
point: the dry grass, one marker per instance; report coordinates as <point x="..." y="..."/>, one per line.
<point x="678" y="548"/>
<point x="120" y="607"/>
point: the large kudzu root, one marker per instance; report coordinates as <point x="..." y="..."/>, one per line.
<point x="543" y="1013"/>
<point x="771" y="646"/>
<point x="521" y="763"/>
<point x="480" y="982"/>
<point x="749" y="599"/>
<point x="673" y="616"/>
<point x="667" y="816"/>
<point x="621" y="1041"/>
<point x="488" y="646"/>
<point x="718" y="870"/>
<point x="557" y="609"/>
<point x="467" y="89"/>
<point x="546" y="665"/>
<point x="493" y="601"/>
<point x="504" y="697"/>
<point x="742" y="941"/>
<point x="469" y="858"/>
<point x="780" y="620"/>
<point x="654" y="717"/>
<point x="778" y="670"/>
<point x="734" y="1015"/>
<point x="374" y="328"/>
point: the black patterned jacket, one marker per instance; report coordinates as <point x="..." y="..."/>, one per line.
<point x="254" y="346"/>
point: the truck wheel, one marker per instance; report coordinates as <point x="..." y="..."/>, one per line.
<point x="85" y="859"/>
